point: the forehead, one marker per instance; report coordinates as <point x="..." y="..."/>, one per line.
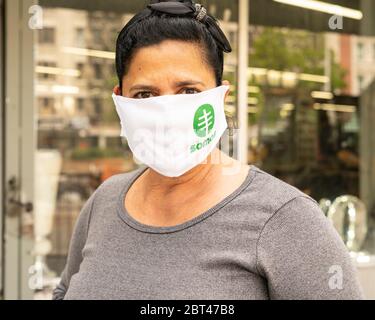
<point x="169" y="60"/>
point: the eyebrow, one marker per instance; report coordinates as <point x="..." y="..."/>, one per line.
<point x="142" y="87"/>
<point x="188" y="82"/>
<point x="177" y="84"/>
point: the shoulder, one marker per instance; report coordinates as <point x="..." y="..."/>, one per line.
<point x="272" y="194"/>
<point x="289" y="215"/>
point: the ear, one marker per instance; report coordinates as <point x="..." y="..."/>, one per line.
<point x="116" y="90"/>
<point x="226" y="83"/>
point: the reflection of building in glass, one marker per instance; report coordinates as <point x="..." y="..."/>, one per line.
<point x="101" y="32"/>
<point x="356" y="54"/>
<point x="76" y="115"/>
<point x="75" y="81"/>
<point x="76" y="75"/>
<point x="60" y="77"/>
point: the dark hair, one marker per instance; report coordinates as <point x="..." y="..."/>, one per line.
<point x="172" y="20"/>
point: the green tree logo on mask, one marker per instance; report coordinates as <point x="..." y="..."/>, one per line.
<point x="204" y="120"/>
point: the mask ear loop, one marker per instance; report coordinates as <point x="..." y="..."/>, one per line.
<point x="120" y="85"/>
<point x="231" y="121"/>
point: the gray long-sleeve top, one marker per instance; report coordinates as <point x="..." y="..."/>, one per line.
<point x="267" y="240"/>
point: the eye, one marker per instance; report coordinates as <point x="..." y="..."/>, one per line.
<point x="189" y="91"/>
<point x="143" y="95"/>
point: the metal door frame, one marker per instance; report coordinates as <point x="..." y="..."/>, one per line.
<point x="1" y="142"/>
<point x="19" y="147"/>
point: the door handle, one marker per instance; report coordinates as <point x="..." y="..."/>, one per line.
<point x="13" y="189"/>
<point x="28" y="206"/>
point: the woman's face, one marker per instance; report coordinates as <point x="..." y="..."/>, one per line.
<point x="171" y="67"/>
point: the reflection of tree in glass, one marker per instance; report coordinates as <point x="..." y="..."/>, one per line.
<point x="293" y="50"/>
<point x="290" y="50"/>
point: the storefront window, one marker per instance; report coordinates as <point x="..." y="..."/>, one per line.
<point x="307" y="83"/>
<point x="311" y="83"/>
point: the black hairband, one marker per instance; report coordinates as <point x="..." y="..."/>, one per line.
<point x="178" y="8"/>
<point x="195" y="10"/>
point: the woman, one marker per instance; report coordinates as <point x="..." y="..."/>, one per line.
<point x="187" y="225"/>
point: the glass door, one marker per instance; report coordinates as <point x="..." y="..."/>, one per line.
<point x="59" y="128"/>
<point x="78" y="143"/>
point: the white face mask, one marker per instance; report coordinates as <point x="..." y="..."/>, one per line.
<point x="173" y="133"/>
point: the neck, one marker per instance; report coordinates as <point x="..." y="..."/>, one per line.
<point x="167" y="199"/>
<point x="197" y="177"/>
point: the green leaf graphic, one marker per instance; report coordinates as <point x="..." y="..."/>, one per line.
<point x="204" y="120"/>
